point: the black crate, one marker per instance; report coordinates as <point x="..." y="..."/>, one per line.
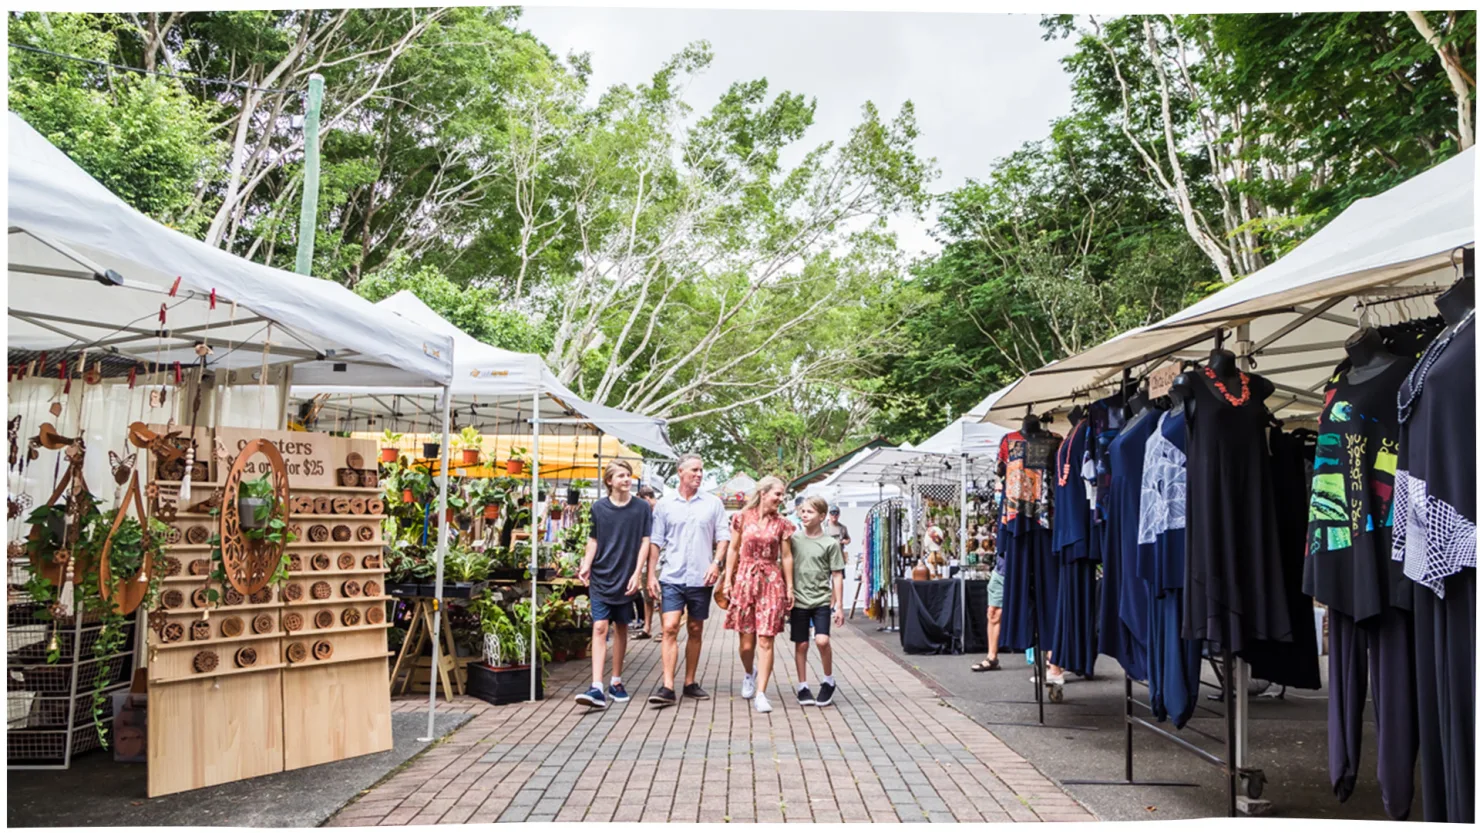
<point x="501" y="686"/>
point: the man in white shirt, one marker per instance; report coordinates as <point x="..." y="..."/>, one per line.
<point x="686" y="557"/>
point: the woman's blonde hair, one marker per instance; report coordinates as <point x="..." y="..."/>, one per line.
<point x="767" y="483"/>
<point x="817" y="504"/>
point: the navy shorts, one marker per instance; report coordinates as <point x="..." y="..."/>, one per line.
<point x="806" y="619"/>
<point x="695" y="599"/>
<point x="618" y="613"/>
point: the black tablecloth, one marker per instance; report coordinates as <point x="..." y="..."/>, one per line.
<point x="930" y="616"/>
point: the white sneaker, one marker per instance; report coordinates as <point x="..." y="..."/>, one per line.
<point x="747" y="688"/>
<point x="1052" y="680"/>
<point x="762" y="705"/>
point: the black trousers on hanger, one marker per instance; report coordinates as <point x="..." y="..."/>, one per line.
<point x="1444" y="638"/>
<point x="1383" y="645"/>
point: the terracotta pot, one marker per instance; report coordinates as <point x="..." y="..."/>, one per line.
<point x="921" y="572"/>
<point x="516" y="467"/>
<point x="470" y="455"/>
<point x="407" y="497"/>
<point x="556" y="512"/>
<point x="451" y="513"/>
<point x="389" y="455"/>
<point x="490" y="513"/>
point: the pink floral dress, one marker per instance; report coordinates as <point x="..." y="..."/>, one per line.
<point x="758" y="590"/>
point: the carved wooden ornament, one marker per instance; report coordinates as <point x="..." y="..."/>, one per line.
<point x="133" y="589"/>
<point x="250" y="564"/>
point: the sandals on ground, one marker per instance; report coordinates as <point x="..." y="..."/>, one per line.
<point x="987" y="665"/>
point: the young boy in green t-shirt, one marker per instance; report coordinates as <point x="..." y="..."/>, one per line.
<point x="817" y="579"/>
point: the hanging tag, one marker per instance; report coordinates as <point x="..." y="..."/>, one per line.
<point x="233" y="312"/>
<point x="176" y="286"/>
<point x="43" y="361"/>
<point x="162" y="309"/>
<point x="213" y="297"/>
<point x="133" y="374"/>
<point x="179" y="376"/>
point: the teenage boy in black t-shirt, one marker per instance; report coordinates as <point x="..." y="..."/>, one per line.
<point x="620" y="528"/>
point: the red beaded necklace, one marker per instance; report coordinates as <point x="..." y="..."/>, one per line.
<point x="1243" y="380"/>
<point x="1064" y="465"/>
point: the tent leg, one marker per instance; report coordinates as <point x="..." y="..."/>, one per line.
<point x="534" y="550"/>
<point x="441" y="563"/>
<point x="961" y="552"/>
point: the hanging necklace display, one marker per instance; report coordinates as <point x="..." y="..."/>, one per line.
<point x="1243" y="379"/>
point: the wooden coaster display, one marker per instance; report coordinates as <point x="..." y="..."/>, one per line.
<point x="318" y="533"/>
<point x="346" y="561"/>
<point x="350" y="617"/>
<point x="172" y="566"/>
<point x="233" y="597"/>
<point x="200" y="630"/>
<point x="200" y="567"/>
<point x="323" y="619"/>
<point x="354" y="460"/>
<point x="174" y="536"/>
<point x="303" y="505"/>
<point x="323" y="505"/>
<point x="292" y="621"/>
<point x="374" y="506"/>
<point x="323" y="649"/>
<point x="366" y="533"/>
<point x="348" y="477"/>
<point x="369" y="478"/>
<point x="372" y="588"/>
<point x="372" y="561"/>
<point x="172" y="632"/>
<point x="320" y="590"/>
<point x="341" y="533"/>
<point x="375" y="615"/>
<point x="246" y="657"/>
<point x="295" y="563"/>
<point x="341" y="505"/>
<point x="261" y="597"/>
<point x="292" y="592"/>
<point x="356" y="506"/>
<point x="205" y="662"/>
<point x="262" y="623"/>
<point x="172" y="599"/>
<point x="197" y="535"/>
<point x="297" y="652"/>
<point x="200" y="598"/>
<point x="232" y="627"/>
<point x="321" y="561"/>
<point x="350" y="589"/>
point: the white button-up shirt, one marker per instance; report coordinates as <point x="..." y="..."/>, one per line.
<point x="686" y="532"/>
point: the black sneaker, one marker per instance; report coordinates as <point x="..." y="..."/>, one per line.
<point x="825" y="695"/>
<point x="804" y="696"/>
<point x="662" y="697"/>
<point x="693" y="690"/>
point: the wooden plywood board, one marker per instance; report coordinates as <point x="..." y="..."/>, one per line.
<point x="336" y="711"/>
<point x="201" y="735"/>
<point x="312" y="459"/>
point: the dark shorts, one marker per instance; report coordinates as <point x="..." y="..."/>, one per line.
<point x="694" y="599"/>
<point x="618" y="613"/>
<point x="804" y="620"/>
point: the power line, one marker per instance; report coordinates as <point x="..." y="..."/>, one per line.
<point x="217" y="81"/>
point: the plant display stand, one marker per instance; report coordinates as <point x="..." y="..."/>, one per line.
<point x="289" y="676"/>
<point x="419" y="636"/>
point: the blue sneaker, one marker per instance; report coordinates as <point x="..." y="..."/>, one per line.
<point x="619" y="693"/>
<point x="593" y="698"/>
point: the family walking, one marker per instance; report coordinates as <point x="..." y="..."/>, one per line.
<point x="764" y="571"/>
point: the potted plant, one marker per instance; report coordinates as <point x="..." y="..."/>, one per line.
<point x="431" y="450"/>
<point x="254" y="502"/>
<point x="488" y="496"/>
<point x="390" y="452"/>
<point x="415" y="485"/>
<point x="455" y="504"/>
<point x="518" y="459"/>
<point x="557" y="511"/>
<point x="470" y="442"/>
<point x="504" y="675"/>
<point x="573" y="492"/>
<point x="467" y="570"/>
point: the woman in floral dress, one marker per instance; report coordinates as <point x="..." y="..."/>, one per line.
<point x="758" y="583"/>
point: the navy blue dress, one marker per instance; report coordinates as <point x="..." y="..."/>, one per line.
<point x="1175" y="664"/>
<point x="1075" y="645"/>
<point x="1126" y="598"/>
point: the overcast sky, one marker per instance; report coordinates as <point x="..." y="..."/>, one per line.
<point x="982" y="84"/>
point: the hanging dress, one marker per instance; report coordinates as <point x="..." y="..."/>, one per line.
<point x="1175" y="664"/>
<point x="1434" y="538"/>
<point x="1235" y="584"/>
<point x="1126" y="598"/>
<point x="1025" y="541"/>
<point x="1074" y="649"/>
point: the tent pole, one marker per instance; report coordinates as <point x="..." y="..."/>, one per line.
<point x="441" y="563"/>
<point x="961" y="553"/>
<point x="534" y="548"/>
<point x="285" y="387"/>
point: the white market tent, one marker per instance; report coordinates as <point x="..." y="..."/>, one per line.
<point x="1397" y="243"/>
<point x="94" y="280"/>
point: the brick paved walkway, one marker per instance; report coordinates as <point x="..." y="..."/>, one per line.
<point x="888" y="749"/>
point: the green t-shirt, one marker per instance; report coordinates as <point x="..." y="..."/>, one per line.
<point x="814" y="560"/>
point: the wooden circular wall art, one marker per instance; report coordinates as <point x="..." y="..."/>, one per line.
<point x="172" y="566"/>
<point x="321" y="561"/>
<point x="341" y="505"/>
<point x="320" y="590"/>
<point x="354" y="460"/>
<point x="172" y="599"/>
<point x="200" y="598"/>
<point x="323" y="649"/>
<point x="262" y="623"/>
<point x="234" y="598"/>
<point x="293" y="592"/>
<point x="231" y="627"/>
<point x="318" y="533"/>
<point x="292" y="622"/>
<point x="197" y="535"/>
<point x="374" y="506"/>
<point x="357" y="506"/>
<point x="323" y="619"/>
<point x="250" y="564"/>
<point x="200" y="630"/>
<point x="205" y="661"/>
<point x="366" y="533"/>
<point x="346" y="561"/>
<point x="172" y="632"/>
<point x="375" y="615"/>
<point x="341" y="532"/>
<point x="350" y="589"/>
<point x="246" y="657"/>
<point x="372" y="561"/>
<point x="322" y="505"/>
<point x="297" y="652"/>
<point x="372" y="589"/>
<point x="173" y="536"/>
<point x="295" y="563"/>
<point x="303" y="505"/>
<point x="350" y="617"/>
<point x="200" y="567"/>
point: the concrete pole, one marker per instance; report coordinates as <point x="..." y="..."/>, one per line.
<point x="308" y="212"/>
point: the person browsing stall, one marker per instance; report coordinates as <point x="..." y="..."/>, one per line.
<point x="817" y="571"/>
<point x="690" y="539"/>
<point x="621" y="526"/>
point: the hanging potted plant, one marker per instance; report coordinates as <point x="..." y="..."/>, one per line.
<point x="518" y="459"/>
<point x="431" y="450"/>
<point x="573" y="493"/>
<point x="390" y="452"/>
<point x="470" y="442"/>
<point x="488" y="496"/>
<point x="254" y="502"/>
<point x="455" y="504"/>
<point x="557" y="511"/>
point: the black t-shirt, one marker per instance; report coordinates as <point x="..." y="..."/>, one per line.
<point x="619" y="531"/>
<point x="1349" y="566"/>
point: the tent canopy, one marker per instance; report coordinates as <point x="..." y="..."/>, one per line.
<point x="562" y="457"/>
<point x="1396" y="243"/>
<point x="492" y="389"/>
<point x="87" y="271"/>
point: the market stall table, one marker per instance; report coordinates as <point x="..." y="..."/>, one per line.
<point x="930" y="620"/>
